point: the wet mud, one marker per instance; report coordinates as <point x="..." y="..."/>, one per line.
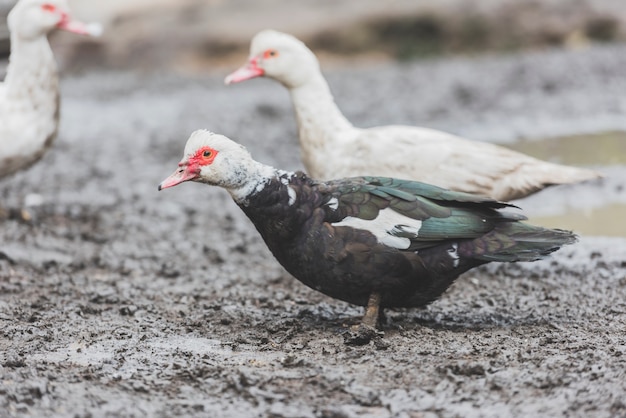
<point x="118" y="300"/>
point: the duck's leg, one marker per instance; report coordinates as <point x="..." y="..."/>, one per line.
<point x="364" y="332"/>
<point x="24" y="215"/>
<point x="20" y="215"/>
<point x="370" y="319"/>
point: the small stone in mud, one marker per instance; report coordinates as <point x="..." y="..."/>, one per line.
<point x="361" y="335"/>
<point x="291" y="360"/>
<point x="14" y="363"/>
<point x="169" y="271"/>
<point x="128" y="310"/>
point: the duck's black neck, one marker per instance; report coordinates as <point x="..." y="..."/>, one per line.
<point x="281" y="208"/>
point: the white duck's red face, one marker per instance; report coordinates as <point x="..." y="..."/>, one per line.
<point x="30" y="19"/>
<point x="213" y="159"/>
<point x="190" y="167"/>
<point x="279" y="56"/>
<point x="216" y="160"/>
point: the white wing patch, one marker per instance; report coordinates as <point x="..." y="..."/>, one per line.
<point x="292" y="195"/>
<point x="333" y="203"/>
<point x="290" y="191"/>
<point x="453" y="251"/>
<point x="384" y="226"/>
<point x="406" y="229"/>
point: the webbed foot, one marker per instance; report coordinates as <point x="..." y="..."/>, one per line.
<point x="366" y="331"/>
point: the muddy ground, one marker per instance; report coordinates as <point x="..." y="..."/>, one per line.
<point x="118" y="300"/>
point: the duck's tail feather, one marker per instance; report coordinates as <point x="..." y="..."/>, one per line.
<point x="517" y="241"/>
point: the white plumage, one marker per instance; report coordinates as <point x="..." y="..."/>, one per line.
<point x="29" y="96"/>
<point x="333" y="148"/>
<point x="379" y="227"/>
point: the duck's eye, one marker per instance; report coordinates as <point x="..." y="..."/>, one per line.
<point x="47" y="7"/>
<point x="203" y="156"/>
<point x="270" y="53"/>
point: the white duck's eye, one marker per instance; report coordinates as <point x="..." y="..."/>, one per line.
<point x="47" y="7"/>
<point x="270" y="53"/>
<point x="203" y="156"/>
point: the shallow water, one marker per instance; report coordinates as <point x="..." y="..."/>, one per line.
<point x="599" y="151"/>
<point x="603" y="221"/>
<point x="602" y="149"/>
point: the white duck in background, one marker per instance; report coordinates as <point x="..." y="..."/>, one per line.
<point x="29" y="96"/>
<point x="333" y="148"/>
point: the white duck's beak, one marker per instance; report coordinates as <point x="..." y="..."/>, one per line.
<point x="75" y="26"/>
<point x="183" y="174"/>
<point x="248" y="71"/>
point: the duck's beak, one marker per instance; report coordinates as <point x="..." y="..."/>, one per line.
<point x="75" y="26"/>
<point x="184" y="173"/>
<point x="248" y="71"/>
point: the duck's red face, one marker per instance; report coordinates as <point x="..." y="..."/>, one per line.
<point x="48" y="7"/>
<point x="190" y="169"/>
<point x="58" y="11"/>
<point x="270" y="53"/>
<point x="204" y="156"/>
<point x="254" y="67"/>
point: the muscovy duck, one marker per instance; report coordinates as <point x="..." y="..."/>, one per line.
<point x="372" y="241"/>
<point x="29" y="96"/>
<point x="332" y="147"/>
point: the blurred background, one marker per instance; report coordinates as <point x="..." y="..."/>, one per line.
<point x="546" y="77"/>
<point x="194" y="35"/>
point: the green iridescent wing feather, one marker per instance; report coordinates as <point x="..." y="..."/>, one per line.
<point x="445" y="214"/>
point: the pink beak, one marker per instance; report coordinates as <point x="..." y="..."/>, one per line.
<point x="74" y="26"/>
<point x="184" y="173"/>
<point x="248" y="71"/>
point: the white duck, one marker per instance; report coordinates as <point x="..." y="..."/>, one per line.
<point x="29" y="96"/>
<point x="333" y="148"/>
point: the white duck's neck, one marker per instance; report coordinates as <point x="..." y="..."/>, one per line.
<point x="32" y="80"/>
<point x="250" y="179"/>
<point x="320" y="122"/>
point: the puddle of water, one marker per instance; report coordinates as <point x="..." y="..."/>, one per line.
<point x="602" y="149"/>
<point x="607" y="148"/>
<point x="605" y="221"/>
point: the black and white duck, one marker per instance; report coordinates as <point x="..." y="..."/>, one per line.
<point x="372" y="241"/>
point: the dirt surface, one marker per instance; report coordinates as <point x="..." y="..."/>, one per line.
<point x="118" y="300"/>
